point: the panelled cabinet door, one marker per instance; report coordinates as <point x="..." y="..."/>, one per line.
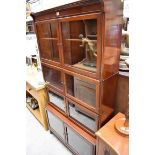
<point x="48" y="40"/>
<point x="53" y="76"/>
<point x="81" y="43"/>
<point x="80" y="145"/>
<point x="56" y="124"/>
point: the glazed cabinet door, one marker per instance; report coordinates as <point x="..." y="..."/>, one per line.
<point x="48" y="39"/>
<point x="79" y="144"/>
<point x="56" y="125"/>
<point x="81" y="43"/>
<point x="83" y="116"/>
<point x="82" y="90"/>
<point x="57" y="100"/>
<point x="53" y="76"/>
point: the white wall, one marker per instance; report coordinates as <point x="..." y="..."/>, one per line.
<point x="47" y="4"/>
<point x="53" y="3"/>
<point x="126" y="8"/>
<point x="31" y="42"/>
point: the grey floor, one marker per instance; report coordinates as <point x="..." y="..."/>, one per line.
<point x="41" y="142"/>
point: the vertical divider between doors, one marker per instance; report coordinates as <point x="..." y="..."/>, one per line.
<point x="65" y="133"/>
<point x="60" y="43"/>
<point x="99" y="45"/>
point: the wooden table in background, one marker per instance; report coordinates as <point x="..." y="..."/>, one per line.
<point x="35" y="85"/>
<point x="109" y="141"/>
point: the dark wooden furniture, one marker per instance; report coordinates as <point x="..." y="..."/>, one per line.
<point x="122" y="97"/>
<point x="76" y="139"/>
<point x="79" y="46"/>
<point x="110" y="141"/>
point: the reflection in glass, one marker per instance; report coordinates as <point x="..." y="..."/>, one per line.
<point x="81" y="89"/>
<point x="81" y="116"/>
<point x="54" y="77"/>
<point x="48" y="40"/>
<point x="56" y="100"/>
<point x="81" y="145"/>
<point x="56" y="124"/>
<point x="43" y="30"/>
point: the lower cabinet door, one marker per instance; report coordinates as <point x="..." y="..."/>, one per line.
<point x="79" y="144"/>
<point x="56" y="124"/>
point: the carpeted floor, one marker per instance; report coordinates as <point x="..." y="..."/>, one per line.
<point x="41" y="142"/>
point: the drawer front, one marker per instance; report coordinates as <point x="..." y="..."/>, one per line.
<point x="82" y="116"/>
<point x="56" y="124"/>
<point x="80" y="145"/>
<point x="31" y="90"/>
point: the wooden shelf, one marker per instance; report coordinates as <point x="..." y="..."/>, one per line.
<point x="79" y="40"/>
<point x="50" y="38"/>
<point x="91" y="35"/>
<point x="38" y="91"/>
<point x="35" y="112"/>
<point x="84" y="67"/>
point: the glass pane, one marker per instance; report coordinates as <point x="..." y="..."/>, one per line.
<point x="81" y="89"/>
<point x="54" y="77"/>
<point x="81" y="145"/>
<point x="56" y="124"/>
<point x="81" y="116"/>
<point x="54" y="51"/>
<point x="45" y="49"/>
<point x="56" y="100"/>
<point x="49" y="49"/>
<point x="43" y="30"/>
<point x="53" y="27"/>
<point x="47" y="33"/>
<point x="47" y="30"/>
<point x="80" y="43"/>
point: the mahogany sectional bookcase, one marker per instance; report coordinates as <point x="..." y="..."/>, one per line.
<point x="79" y="46"/>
